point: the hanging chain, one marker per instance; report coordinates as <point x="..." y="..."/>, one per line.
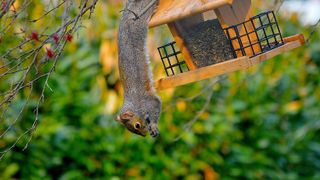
<point x="313" y="30"/>
<point x="278" y="4"/>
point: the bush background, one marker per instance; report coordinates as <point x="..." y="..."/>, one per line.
<point x="261" y="124"/>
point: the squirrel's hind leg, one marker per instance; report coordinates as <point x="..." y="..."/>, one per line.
<point x="143" y="11"/>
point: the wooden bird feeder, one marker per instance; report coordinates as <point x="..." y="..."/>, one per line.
<point x="215" y="37"/>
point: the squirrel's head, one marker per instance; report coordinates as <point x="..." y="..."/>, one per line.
<point x="133" y="123"/>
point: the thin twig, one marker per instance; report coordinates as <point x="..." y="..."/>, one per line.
<point x="48" y="12"/>
<point x="189" y="124"/>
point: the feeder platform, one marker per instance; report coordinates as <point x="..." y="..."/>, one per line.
<point x="241" y="63"/>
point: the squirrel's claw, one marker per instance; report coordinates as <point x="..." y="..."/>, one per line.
<point x="153" y="130"/>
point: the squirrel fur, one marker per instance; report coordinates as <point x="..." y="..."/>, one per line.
<point x="142" y="107"/>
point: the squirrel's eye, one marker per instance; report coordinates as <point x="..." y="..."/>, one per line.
<point x="137" y="125"/>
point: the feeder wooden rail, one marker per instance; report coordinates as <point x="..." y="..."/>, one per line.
<point x="229" y="66"/>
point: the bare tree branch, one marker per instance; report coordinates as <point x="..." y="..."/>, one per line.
<point x="206" y="105"/>
<point x="27" y="62"/>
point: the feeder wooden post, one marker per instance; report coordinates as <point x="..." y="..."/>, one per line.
<point x="236" y="13"/>
<point x="181" y="45"/>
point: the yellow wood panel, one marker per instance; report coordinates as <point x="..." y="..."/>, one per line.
<point x="172" y="10"/>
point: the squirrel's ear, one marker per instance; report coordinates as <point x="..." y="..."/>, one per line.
<point x="121" y="120"/>
<point x="127" y="115"/>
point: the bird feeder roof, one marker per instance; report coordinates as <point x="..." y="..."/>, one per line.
<point x="173" y="10"/>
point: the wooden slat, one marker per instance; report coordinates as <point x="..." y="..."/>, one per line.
<point x="203" y="73"/>
<point x="299" y="37"/>
<point x="270" y="54"/>
<point x="173" y="10"/>
<point x="227" y="66"/>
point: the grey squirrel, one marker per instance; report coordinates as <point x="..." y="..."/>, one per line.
<point x="142" y="107"/>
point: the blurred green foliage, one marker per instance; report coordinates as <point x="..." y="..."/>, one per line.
<point x="261" y="124"/>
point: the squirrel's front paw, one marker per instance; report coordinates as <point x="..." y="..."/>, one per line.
<point x="153" y="130"/>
